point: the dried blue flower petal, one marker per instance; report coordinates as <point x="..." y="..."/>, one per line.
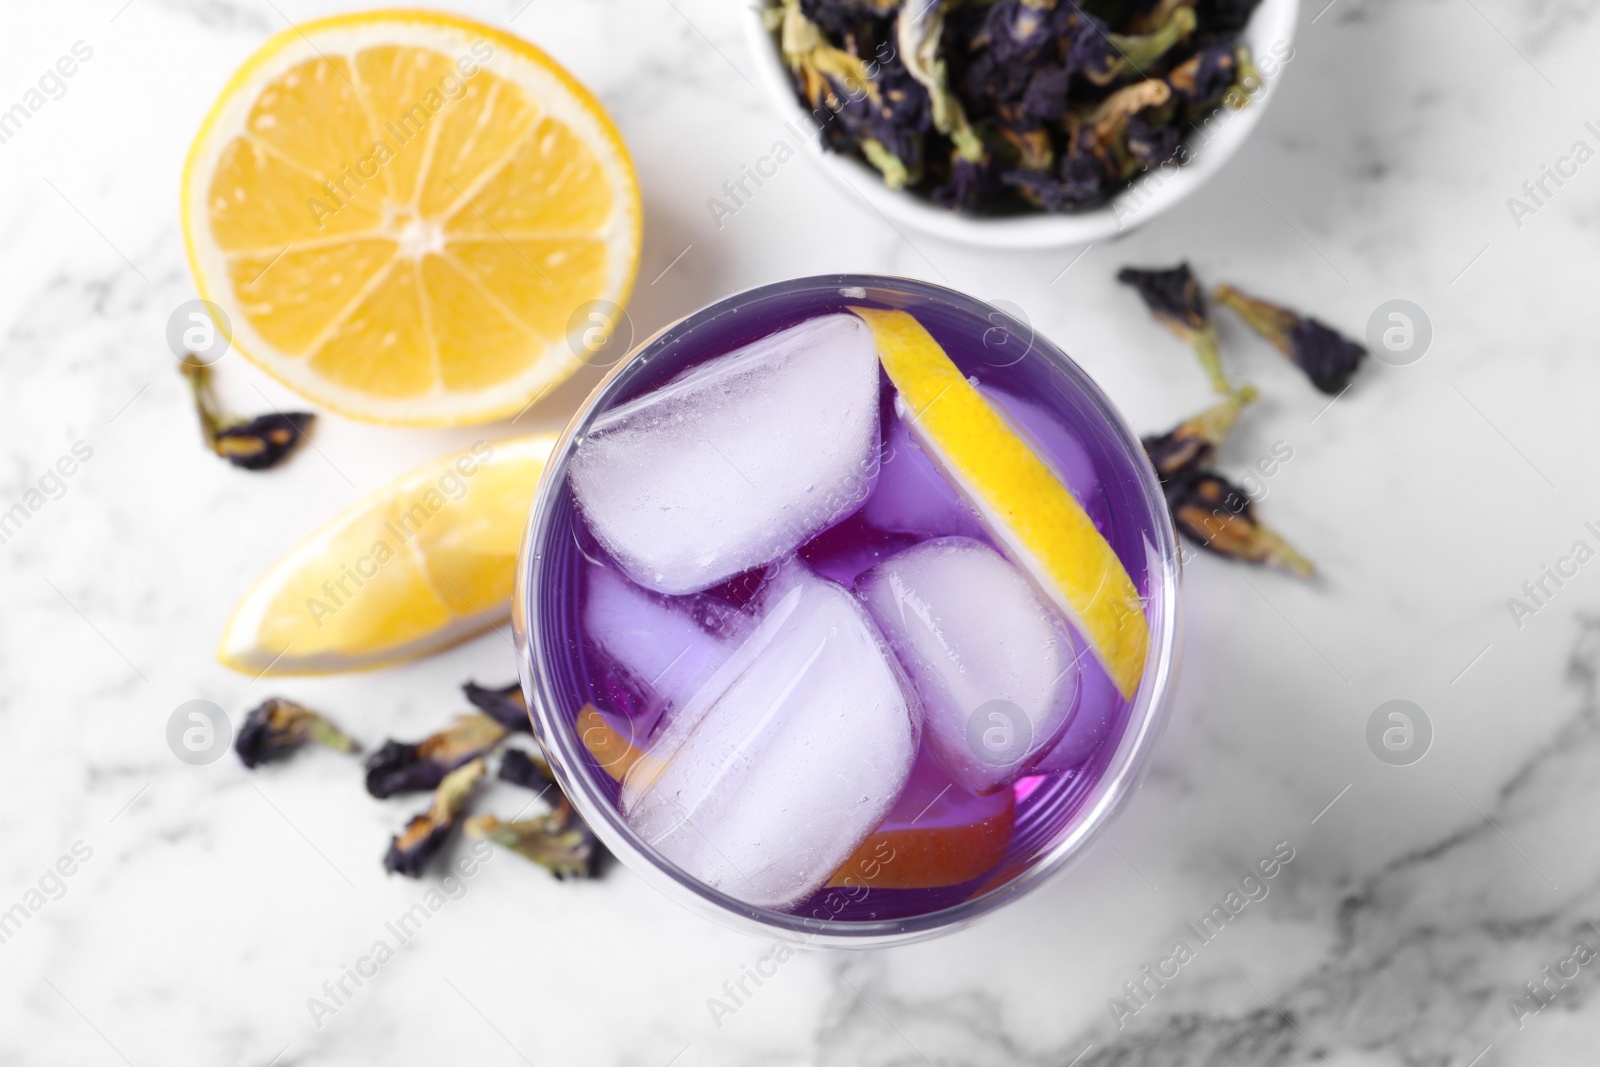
<point x="530" y="772"/>
<point x="918" y="33"/>
<point x="263" y="441"/>
<point x="250" y="444"/>
<point x="1225" y="16"/>
<point x="560" y="842"/>
<point x="1202" y="79"/>
<point x="1328" y="358"/>
<point x="412" y="848"/>
<point x="839" y="18"/>
<point x="1080" y="182"/>
<point x="505" y="705"/>
<point x="401" y="767"/>
<point x="1045" y="98"/>
<point x="1192" y="443"/>
<point x="1175" y="299"/>
<point x="1020" y="31"/>
<point x="892" y="118"/>
<point x="1218" y="516"/>
<point x="1104" y="57"/>
<point x="1151" y="143"/>
<point x="1173" y="296"/>
<point x="278" y="727"/>
<point x="1103" y="133"/>
<point x="970" y="185"/>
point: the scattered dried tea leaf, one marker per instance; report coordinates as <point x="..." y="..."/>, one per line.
<point x="412" y="848"/>
<point x="530" y="772"/>
<point x="1328" y="358"/>
<point x="1218" y="516"/>
<point x="918" y="30"/>
<point x="278" y="727"/>
<point x="1191" y="445"/>
<point x="1200" y="80"/>
<point x="1175" y="299"/>
<point x="560" y="842"/>
<point x="1225" y="16"/>
<point x="505" y="705"/>
<point x="401" y="767"/>
<point x="252" y="444"/>
<point x="1104" y="57"/>
<point x="1103" y="132"/>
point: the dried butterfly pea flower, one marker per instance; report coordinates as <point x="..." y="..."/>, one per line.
<point x="252" y="444"/>
<point x="1190" y="445"/>
<point x="278" y="727"/>
<point x="1103" y="132"/>
<point x="838" y="17"/>
<point x="1175" y="299"/>
<point x="1031" y="148"/>
<point x="559" y="842"/>
<point x="412" y="848"/>
<point x="1200" y="80"/>
<point x="1248" y="81"/>
<point x="1218" y="516"/>
<point x="1328" y="358"/>
<point x="1015" y="67"/>
<point x="1225" y="16"/>
<point x="970" y="185"/>
<point x="1147" y="15"/>
<point x="505" y="705"/>
<point x="1045" y="98"/>
<point x="530" y="772"/>
<point x="1151" y="143"/>
<point x="891" y="166"/>
<point x="815" y="61"/>
<point x="1079" y="182"/>
<point x="263" y="441"/>
<point x="919" y="28"/>
<point x="1103" y="57"/>
<point x="1020" y="31"/>
<point x="399" y="767"/>
<point x="887" y="124"/>
<point x="879" y="107"/>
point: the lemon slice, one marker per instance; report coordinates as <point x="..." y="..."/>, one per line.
<point x="1020" y="499"/>
<point x="410" y="217"/>
<point x="421" y="564"/>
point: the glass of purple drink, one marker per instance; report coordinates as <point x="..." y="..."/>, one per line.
<point x="788" y="655"/>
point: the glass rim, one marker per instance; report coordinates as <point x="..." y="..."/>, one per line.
<point x="570" y="762"/>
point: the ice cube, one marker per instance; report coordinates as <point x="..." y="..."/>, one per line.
<point x="738" y="461"/>
<point x="771" y="775"/>
<point x="668" y="648"/>
<point x="1092" y="721"/>
<point x="995" y="666"/>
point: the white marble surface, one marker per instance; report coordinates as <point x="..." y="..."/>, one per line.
<point x="216" y="902"/>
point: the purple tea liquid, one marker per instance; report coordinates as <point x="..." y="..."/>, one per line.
<point x="910" y="503"/>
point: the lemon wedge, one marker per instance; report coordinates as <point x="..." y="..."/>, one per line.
<point x="420" y="565"/>
<point x="1020" y="499"/>
<point x="411" y="217"/>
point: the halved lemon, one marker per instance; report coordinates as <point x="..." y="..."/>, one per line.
<point x="933" y="839"/>
<point x="411" y="217"/>
<point x="425" y="562"/>
<point x="1019" y="498"/>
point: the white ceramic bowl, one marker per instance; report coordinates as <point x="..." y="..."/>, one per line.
<point x="1270" y="36"/>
